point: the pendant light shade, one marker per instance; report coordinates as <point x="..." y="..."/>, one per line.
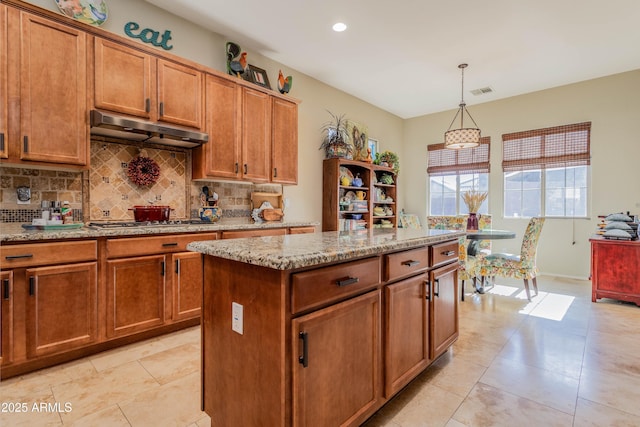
<point x="462" y="137"/>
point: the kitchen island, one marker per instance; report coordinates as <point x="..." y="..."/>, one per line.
<point x="322" y="329"/>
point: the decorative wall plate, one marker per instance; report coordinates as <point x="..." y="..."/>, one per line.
<point x="93" y="12"/>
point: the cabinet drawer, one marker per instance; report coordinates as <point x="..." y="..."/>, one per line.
<point x="34" y="254"/>
<point x="443" y="253"/>
<point x="254" y="233"/>
<point x="135" y="246"/>
<point x="401" y="264"/>
<point x="331" y="284"/>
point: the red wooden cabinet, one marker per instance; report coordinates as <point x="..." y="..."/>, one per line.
<point x="615" y="269"/>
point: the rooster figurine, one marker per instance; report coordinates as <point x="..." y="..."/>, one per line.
<point x="284" y="85"/>
<point x="235" y="66"/>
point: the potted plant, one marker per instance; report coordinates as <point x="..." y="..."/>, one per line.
<point x="335" y="140"/>
<point x="388" y="158"/>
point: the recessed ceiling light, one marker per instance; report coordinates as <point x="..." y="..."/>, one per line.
<point x="339" y="27"/>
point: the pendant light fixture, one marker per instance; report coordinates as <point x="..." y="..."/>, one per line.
<point x="462" y="137"/>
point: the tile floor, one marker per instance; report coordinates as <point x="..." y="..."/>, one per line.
<point x="557" y="361"/>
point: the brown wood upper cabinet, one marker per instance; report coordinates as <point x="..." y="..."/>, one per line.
<point x="129" y="81"/>
<point x="253" y="136"/>
<point x="44" y="68"/>
<point x="284" y="142"/>
<point x="4" y="118"/>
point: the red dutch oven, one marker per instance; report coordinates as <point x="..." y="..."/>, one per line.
<point x="151" y="213"/>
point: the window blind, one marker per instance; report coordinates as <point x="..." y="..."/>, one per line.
<point x="553" y="147"/>
<point x="445" y="161"/>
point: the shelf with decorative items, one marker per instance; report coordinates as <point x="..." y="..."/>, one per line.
<point x="384" y="197"/>
<point x="355" y="198"/>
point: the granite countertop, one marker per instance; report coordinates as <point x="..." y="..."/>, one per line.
<point x="13" y="232"/>
<point x="306" y="250"/>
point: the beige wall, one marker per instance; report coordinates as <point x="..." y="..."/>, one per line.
<point x="609" y="103"/>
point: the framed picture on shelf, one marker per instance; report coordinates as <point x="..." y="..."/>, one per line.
<point x="258" y="76"/>
<point x="373" y="146"/>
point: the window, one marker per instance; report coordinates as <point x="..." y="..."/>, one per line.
<point x="546" y="170"/>
<point x="452" y="172"/>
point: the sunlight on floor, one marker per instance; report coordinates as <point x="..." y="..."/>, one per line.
<point x="545" y="305"/>
<point x="553" y="307"/>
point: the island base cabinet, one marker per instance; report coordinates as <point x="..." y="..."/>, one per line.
<point x="337" y="355"/>
<point x="407" y="331"/>
<point x="444" y="308"/>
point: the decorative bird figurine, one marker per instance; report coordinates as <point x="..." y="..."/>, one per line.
<point x="284" y="85"/>
<point x="235" y="66"/>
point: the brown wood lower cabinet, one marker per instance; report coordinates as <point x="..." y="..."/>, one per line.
<point x="62" y="308"/>
<point x="444" y="308"/>
<point x="337" y="379"/>
<point x="187" y="285"/>
<point x="135" y="294"/>
<point x="407" y="331"/>
<point x="6" y="316"/>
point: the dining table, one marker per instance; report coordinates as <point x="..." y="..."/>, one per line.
<point x="473" y="248"/>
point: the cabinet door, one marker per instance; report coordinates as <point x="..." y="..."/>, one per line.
<point x="53" y="94"/>
<point x="444" y="308"/>
<point x="256" y="135"/>
<point x="187" y="285"/>
<point x="220" y="156"/>
<point x="284" y="142"/>
<point x="4" y="106"/>
<point x="179" y="94"/>
<point x="6" y="315"/>
<point x="407" y="338"/>
<point x="61" y="308"/>
<point x="123" y="79"/>
<point x="337" y="356"/>
<point x="135" y="294"/>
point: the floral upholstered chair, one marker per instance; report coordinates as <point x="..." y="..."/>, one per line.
<point x="521" y="266"/>
<point x="468" y="263"/>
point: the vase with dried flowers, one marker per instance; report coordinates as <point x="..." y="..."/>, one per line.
<point x="473" y="199"/>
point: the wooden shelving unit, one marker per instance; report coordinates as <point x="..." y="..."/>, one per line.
<point x="342" y="210"/>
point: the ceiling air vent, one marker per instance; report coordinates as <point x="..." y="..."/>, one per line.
<point x="482" y="91"/>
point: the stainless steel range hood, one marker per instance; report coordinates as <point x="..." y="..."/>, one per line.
<point x="114" y="126"/>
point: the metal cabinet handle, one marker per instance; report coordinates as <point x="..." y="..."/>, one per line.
<point x="25" y="144"/>
<point x="437" y="293"/>
<point x="161" y="109"/>
<point x="410" y="263"/>
<point x="304" y="359"/>
<point x="147" y="105"/>
<point x="1" y="141"/>
<point x="236" y="167"/>
<point x="9" y="257"/>
<point x="245" y="168"/>
<point x="162" y="268"/>
<point x="275" y="172"/>
<point x="448" y="253"/>
<point x="32" y="286"/>
<point x="177" y="266"/>
<point x="427" y="290"/>
<point x="347" y="281"/>
<point x="165" y="245"/>
<point x="5" y="289"/>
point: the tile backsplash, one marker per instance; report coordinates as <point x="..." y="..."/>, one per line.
<point x="105" y="193"/>
<point x="44" y="184"/>
<point x="112" y="193"/>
